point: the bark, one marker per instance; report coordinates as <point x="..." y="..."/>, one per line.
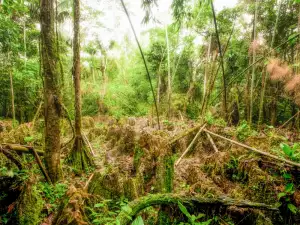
<point x="254" y="66"/>
<point x="224" y="102"/>
<point x="169" y="92"/>
<point x="12" y="97"/>
<point x="52" y="95"/>
<point x="79" y="157"/>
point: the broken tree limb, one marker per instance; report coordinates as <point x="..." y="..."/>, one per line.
<point x="185" y="133"/>
<point x="255" y="150"/>
<point x="283" y="125"/>
<point x="21" y="148"/>
<point x="191" y="144"/>
<point x="39" y="162"/>
<point x="212" y="142"/>
<point x="11" y="158"/>
<point x="125" y="217"/>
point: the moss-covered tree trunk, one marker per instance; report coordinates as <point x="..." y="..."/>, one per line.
<point x="52" y="94"/>
<point x="79" y="158"/>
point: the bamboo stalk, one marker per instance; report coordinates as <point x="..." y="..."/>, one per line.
<point x="254" y="149"/>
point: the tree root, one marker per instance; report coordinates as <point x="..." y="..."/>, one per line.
<point x="80" y="158"/>
<point x="138" y="205"/>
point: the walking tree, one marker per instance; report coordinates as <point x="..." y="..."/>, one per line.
<point x="80" y="158"/>
<point x="52" y="96"/>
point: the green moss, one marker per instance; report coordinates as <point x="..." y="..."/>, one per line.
<point x="165" y="173"/>
<point x="138" y="154"/>
<point x="108" y="185"/>
<point x="30" y="206"/>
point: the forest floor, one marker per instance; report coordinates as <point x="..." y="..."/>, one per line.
<point x="217" y="182"/>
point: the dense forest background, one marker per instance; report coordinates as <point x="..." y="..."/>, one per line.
<point x="185" y="115"/>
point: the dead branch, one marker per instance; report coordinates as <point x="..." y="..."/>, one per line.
<point x="283" y="125"/>
<point x="39" y="162"/>
<point x="212" y="142"/>
<point x="185" y="133"/>
<point x="191" y="144"/>
<point x="255" y="150"/>
<point x="139" y="204"/>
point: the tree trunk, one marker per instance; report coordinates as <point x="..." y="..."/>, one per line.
<point x="254" y="66"/>
<point x="52" y="96"/>
<point x="169" y="74"/>
<point x="79" y="157"/>
<point x="12" y="97"/>
<point x="224" y="102"/>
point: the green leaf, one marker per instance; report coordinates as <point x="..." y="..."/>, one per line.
<point x="287" y="176"/>
<point x="98" y="205"/>
<point x="28" y="139"/>
<point x="184" y="210"/>
<point x="281" y="194"/>
<point x="289" y="188"/>
<point x="127" y="209"/>
<point x="200" y="215"/>
<point x="204" y="223"/>
<point x="292" y="208"/>
<point x="286" y="149"/>
<point x="138" y="221"/>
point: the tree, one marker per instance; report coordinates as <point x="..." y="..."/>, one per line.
<point x="52" y="95"/>
<point x="79" y="157"/>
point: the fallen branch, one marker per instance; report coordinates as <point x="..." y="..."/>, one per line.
<point x="21" y="148"/>
<point x="191" y="144"/>
<point x="283" y="125"/>
<point x="255" y="150"/>
<point x="212" y="142"/>
<point x="185" y="133"/>
<point x="11" y="157"/>
<point x="39" y="162"/>
<point x="139" y="204"/>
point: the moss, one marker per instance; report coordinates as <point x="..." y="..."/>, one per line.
<point x="138" y="154"/>
<point x="30" y="205"/>
<point x="131" y="189"/>
<point x="108" y="185"/>
<point x="80" y="158"/>
<point x="165" y="173"/>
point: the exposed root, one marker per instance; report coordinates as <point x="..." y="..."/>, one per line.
<point x="80" y="158"/>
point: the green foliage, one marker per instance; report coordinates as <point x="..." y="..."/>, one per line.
<point x="292" y="152"/>
<point x="285" y="196"/>
<point x="244" y="131"/>
<point x="192" y="218"/>
<point x="53" y="193"/>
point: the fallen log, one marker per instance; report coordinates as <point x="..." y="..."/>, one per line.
<point x="255" y="150"/>
<point x="126" y="216"/>
<point x="21" y="148"/>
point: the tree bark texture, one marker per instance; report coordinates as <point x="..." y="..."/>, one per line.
<point x="52" y="95"/>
